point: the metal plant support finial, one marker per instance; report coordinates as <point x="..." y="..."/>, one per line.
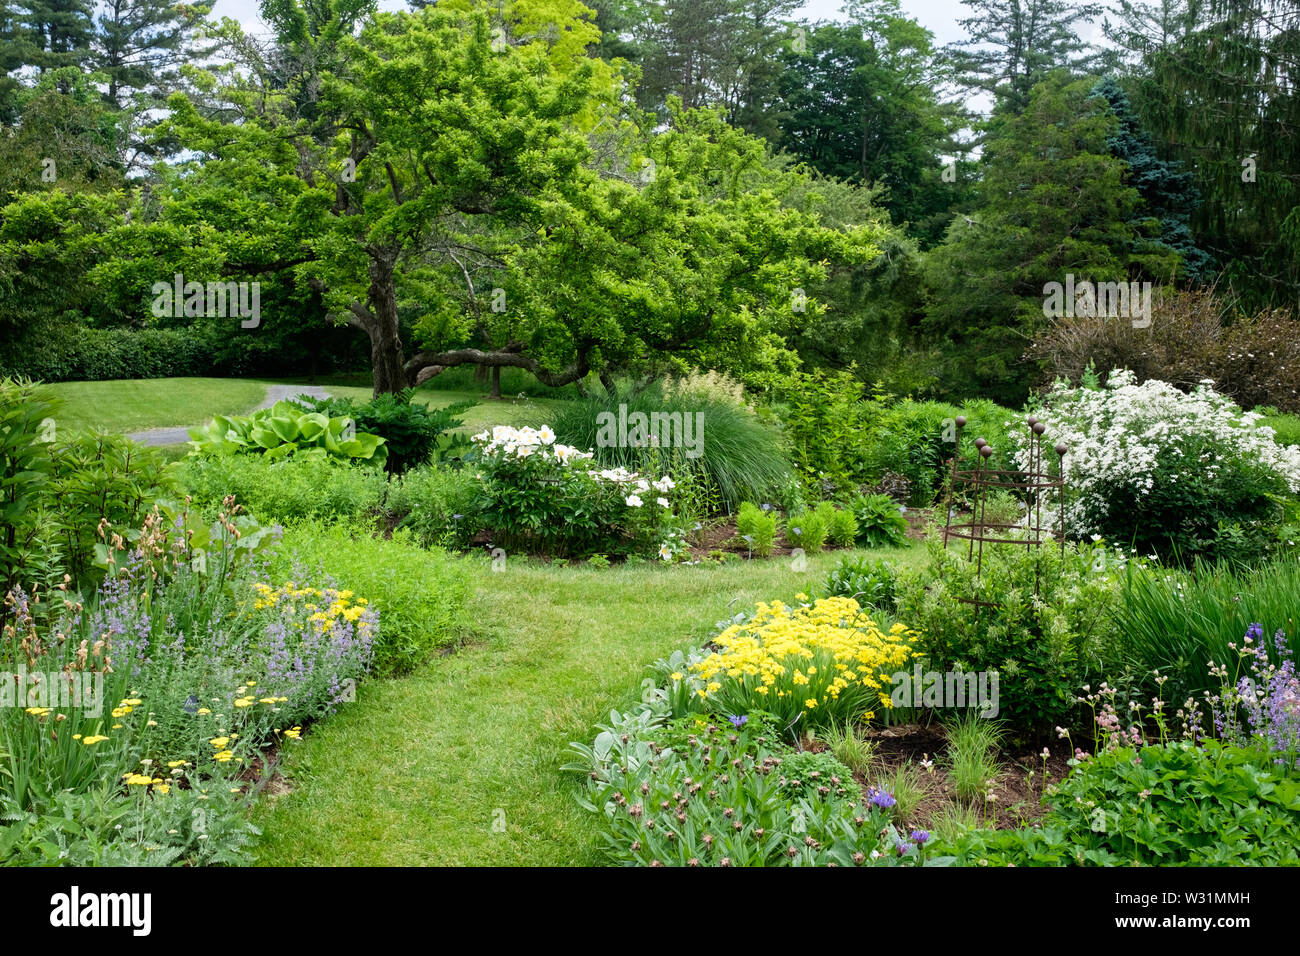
<point x="1034" y="484"/>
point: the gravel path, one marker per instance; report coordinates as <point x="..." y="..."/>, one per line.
<point x="274" y="393"/>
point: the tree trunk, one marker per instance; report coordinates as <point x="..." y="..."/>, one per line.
<point x="385" y="337"/>
<point x="496" y="382"/>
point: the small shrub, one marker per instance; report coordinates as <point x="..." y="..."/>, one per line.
<point x="1047" y="625"/>
<point x="806" y="530"/>
<point x="817" y="776"/>
<point x="880" y="521"/>
<point x="841" y="525"/>
<point x="286" y="429"/>
<point x="438" y="505"/>
<point x="411" y="430"/>
<point x="537" y="495"/>
<point x="870" y="583"/>
<point x="420" y="594"/>
<point x="757" y="528"/>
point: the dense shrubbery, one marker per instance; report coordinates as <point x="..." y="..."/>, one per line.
<point x="75" y="353"/>
<point x="437" y="504"/>
<point x="1047" y="624"/>
<point x="1253" y="359"/>
<point x="410" y="429"/>
<point x="721" y="445"/>
<point x="284" y="490"/>
<point x="538" y="495"/>
<point x="61" y="494"/>
<point x="840" y="438"/>
<point x="1178" y="474"/>
<point x="420" y="594"/>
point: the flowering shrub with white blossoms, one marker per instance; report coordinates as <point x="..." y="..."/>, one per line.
<point x="540" y="495"/>
<point x="1168" y="471"/>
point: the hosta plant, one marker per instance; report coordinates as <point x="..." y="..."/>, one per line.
<point x="286" y="429"/>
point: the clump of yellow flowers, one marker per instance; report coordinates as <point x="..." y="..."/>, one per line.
<point x="826" y="660"/>
<point x="323" y="606"/>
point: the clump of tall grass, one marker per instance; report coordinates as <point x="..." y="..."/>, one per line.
<point x="1177" y="622"/>
<point x="730" y="449"/>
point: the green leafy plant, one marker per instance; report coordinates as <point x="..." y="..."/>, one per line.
<point x="870" y="583"/>
<point x="841" y="526"/>
<point x="1046" y="624"/>
<point x="880" y="521"/>
<point x="1175" y="804"/>
<point x="411" y="430"/>
<point x="286" y="429"/>
<point x="806" y="530"/>
<point x="757" y="528"/>
<point x="420" y="594"/>
<point x="285" y="489"/>
<point x="26" y="413"/>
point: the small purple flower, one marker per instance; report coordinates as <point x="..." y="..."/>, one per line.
<point x="920" y="836"/>
<point x="901" y="847"/>
<point x="881" y="798"/>
<point x="738" y="722"/>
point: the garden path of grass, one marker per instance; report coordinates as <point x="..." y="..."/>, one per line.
<point x="419" y="768"/>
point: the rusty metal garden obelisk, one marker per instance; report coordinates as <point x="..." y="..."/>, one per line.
<point x="1033" y="486"/>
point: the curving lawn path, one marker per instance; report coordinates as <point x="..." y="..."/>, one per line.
<point x="415" y="772"/>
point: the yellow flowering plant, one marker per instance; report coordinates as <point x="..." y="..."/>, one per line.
<point x="822" y="663"/>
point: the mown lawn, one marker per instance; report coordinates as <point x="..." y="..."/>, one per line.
<point x="417" y="770"/>
<point x="131" y="405"/>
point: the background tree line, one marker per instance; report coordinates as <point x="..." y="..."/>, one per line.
<point x="638" y="186"/>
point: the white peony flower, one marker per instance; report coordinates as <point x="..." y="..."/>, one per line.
<point x="633" y="501"/>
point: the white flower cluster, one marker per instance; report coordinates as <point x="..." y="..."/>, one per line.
<point x="636" y="486"/>
<point x="507" y="442"/>
<point x="1124" y="434"/>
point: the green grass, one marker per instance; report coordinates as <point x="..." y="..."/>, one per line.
<point x="137" y="405"/>
<point x="141" y="404"/>
<point x="415" y="772"/>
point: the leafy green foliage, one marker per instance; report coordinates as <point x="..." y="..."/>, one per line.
<point x="100" y="484"/>
<point x="26" y="412"/>
<point x="1170" y="805"/>
<point x="757" y="528"/>
<point x="286" y="429"/>
<point x="806" y="530"/>
<point x="438" y="505"/>
<point x="1047" y="627"/>
<point x="880" y="521"/>
<point x="841" y="525"/>
<point x="410" y="430"/>
<point x="284" y="489"/>
<point x="870" y="583"/>
<point x="420" y="593"/>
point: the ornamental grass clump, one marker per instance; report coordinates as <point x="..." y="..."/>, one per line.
<point x="824" y="663"/>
